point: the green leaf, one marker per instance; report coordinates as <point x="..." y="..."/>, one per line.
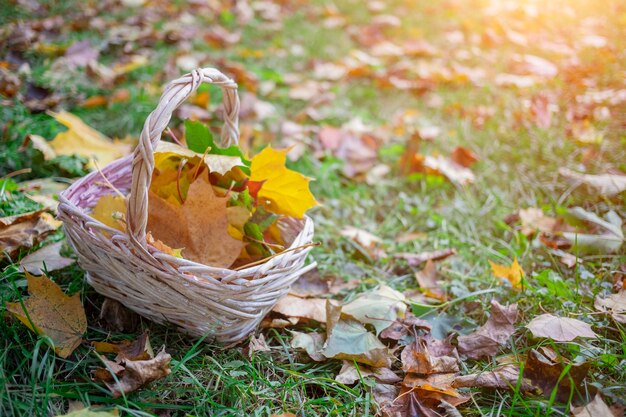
<point x="198" y="136"/>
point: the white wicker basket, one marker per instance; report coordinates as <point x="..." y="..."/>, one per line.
<point x="224" y="304"/>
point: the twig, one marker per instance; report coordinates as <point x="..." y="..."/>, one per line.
<point x="106" y="180"/>
<point x="173" y="136"/>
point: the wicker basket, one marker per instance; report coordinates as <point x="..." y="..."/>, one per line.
<point x="222" y="304"/>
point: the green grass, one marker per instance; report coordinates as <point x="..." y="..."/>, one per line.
<point x="518" y="169"/>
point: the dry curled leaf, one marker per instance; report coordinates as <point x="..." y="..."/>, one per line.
<point x="50" y="312"/>
<point x="26" y="231"/>
<point x="133" y="350"/>
<point x="138" y="373"/>
<point x="604" y="184"/>
<point x="302" y="308"/>
<point x="349" y="374"/>
<point x="545" y="369"/>
<point x="47" y="258"/>
<point x="312" y="343"/>
<point x="503" y="377"/>
<point x="597" y="408"/>
<point x="614" y="304"/>
<point x="486" y="341"/>
<point x="199" y="226"/>
<point x="560" y="329"/>
<point x="427" y="355"/>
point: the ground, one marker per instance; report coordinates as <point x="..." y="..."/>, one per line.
<point x="467" y="74"/>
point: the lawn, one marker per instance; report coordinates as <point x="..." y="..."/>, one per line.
<point x="371" y="97"/>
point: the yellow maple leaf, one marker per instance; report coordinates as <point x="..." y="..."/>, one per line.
<point x="283" y="191"/>
<point x="51" y="312"/>
<point x="81" y="139"/>
<point x="512" y="273"/>
<point x="111" y="211"/>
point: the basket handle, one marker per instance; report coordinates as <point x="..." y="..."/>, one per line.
<point x="173" y="96"/>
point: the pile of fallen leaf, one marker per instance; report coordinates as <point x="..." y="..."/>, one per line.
<point x="212" y="205"/>
<point x="413" y="369"/>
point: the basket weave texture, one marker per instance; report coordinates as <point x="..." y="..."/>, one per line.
<point x="201" y="300"/>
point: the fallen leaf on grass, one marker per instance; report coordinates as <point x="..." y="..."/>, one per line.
<point x="534" y="220"/>
<point x="404" y="327"/>
<point x="448" y="168"/>
<point x="416" y="259"/>
<point x="380" y="307"/>
<point x="283" y="191"/>
<point x="312" y="343"/>
<point x="486" y="341"/>
<point x="604" y="184"/>
<point x="83" y="140"/>
<point x="504" y="377"/>
<point x="614" y="304"/>
<point x="133" y="350"/>
<point x="349" y="374"/>
<point x="204" y="237"/>
<point x="50" y="312"/>
<point x="139" y="373"/>
<point x="427" y="355"/>
<point x="597" y="408"/>
<point x="48" y="258"/>
<point x="545" y="370"/>
<point x="560" y="329"/>
<point x="608" y="239"/>
<point x="512" y="273"/>
<point x="428" y="281"/>
<point x="258" y="344"/>
<point x="302" y="308"/>
<point x="348" y="339"/>
<point x="367" y="241"/>
<point x="464" y="157"/>
<point x="26" y="232"/>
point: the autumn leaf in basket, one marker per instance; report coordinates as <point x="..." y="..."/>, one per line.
<point x="214" y="204"/>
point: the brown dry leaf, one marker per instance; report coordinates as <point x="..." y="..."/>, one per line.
<point x="486" y="341"/>
<point x="416" y="259"/>
<point x="371" y="244"/>
<point x="26" y="232"/>
<point x="560" y="329"/>
<point x="427" y="356"/>
<point x="503" y="377"/>
<point x="596" y="408"/>
<point x="353" y="145"/>
<point x="428" y="280"/>
<point x="450" y="169"/>
<point x="132" y="350"/>
<point x="604" y="184"/>
<point x="48" y="258"/>
<point x="436" y="387"/>
<point x="50" y="312"/>
<point x="545" y="371"/>
<point x="534" y="220"/>
<point x="614" y="304"/>
<point x="84" y="140"/>
<point x="199" y="226"/>
<point x="302" y="308"/>
<point x="512" y="273"/>
<point x="464" y="157"/>
<point x="139" y="373"/>
<point x="403" y="327"/>
<point x="349" y="374"/>
<point x="258" y="344"/>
